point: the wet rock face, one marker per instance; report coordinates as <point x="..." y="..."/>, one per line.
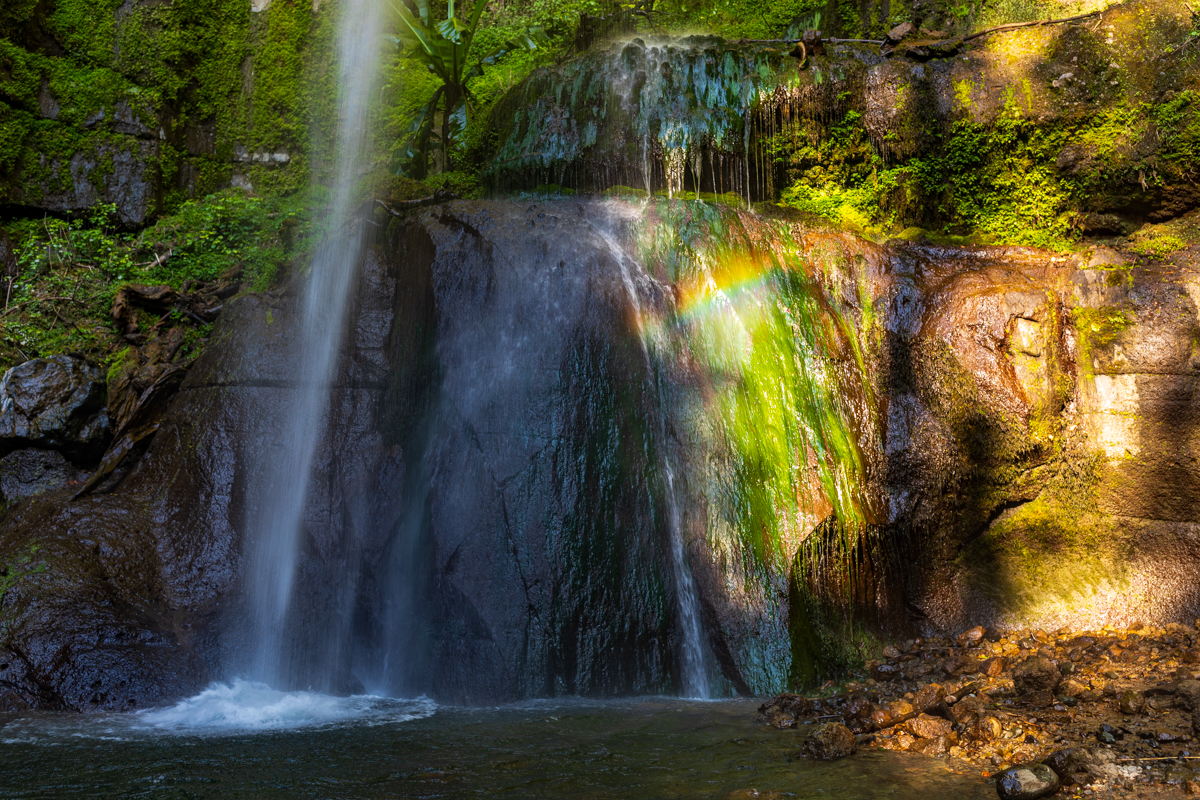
<point x="83" y="615"/>
<point x="547" y="506"/>
<point x="492" y="429"/>
<point x="497" y="428"/>
<point x="55" y="403"/>
<point x="130" y="181"/>
<point x="28" y="472"/>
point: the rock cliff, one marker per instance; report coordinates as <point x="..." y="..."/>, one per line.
<point x="923" y="436"/>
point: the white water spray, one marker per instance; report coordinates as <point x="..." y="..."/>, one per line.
<point x="276" y="525"/>
<point x="243" y="706"/>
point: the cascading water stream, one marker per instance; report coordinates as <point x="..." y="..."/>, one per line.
<point x="694" y="669"/>
<point x="276" y="525"/>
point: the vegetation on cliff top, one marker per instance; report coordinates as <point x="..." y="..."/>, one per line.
<point x="60" y="277"/>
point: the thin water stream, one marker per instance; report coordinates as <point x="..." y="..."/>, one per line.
<point x="693" y="666"/>
<point x="644" y="748"/>
<point x="275" y="536"/>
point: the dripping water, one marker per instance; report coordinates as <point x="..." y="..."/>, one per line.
<point x="275" y="535"/>
<point x="693" y="667"/>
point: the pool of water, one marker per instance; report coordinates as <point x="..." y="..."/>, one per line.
<point x="246" y="741"/>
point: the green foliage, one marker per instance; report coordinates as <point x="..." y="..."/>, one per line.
<point x="57" y="296"/>
<point x="739" y="18"/>
<point x="261" y="82"/>
<point x="227" y="231"/>
<point x="997" y="181"/>
<point x="836" y="172"/>
<point x="1177" y="123"/>
<point x="1000" y="180"/>
<point x="445" y="49"/>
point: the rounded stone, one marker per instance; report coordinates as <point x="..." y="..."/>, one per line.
<point x="1026" y="782"/>
<point x="830" y="741"/>
<point x="54" y="403"/>
<point x="1131" y="702"/>
<point x="1036" y="675"/>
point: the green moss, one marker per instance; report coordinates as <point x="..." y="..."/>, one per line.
<point x="19" y="566"/>
<point x="1047" y="554"/>
<point x="116" y="362"/>
<point x="1162" y="240"/>
<point x="1098" y="327"/>
<point x="997" y="181"/>
<point x="15" y="126"/>
<point x="15" y="16"/>
<point x="263" y="82"/>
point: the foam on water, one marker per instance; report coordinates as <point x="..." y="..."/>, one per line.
<point x="243" y="706"/>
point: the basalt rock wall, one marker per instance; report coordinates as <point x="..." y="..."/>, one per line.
<point x="531" y="396"/>
<point x="489" y="394"/>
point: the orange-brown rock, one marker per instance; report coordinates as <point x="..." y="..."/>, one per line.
<point x="993" y="667"/>
<point x="925" y="726"/>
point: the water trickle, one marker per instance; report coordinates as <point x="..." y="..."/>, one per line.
<point x="693" y="669"/>
<point x="275" y="536"/>
<point x="614" y="112"/>
<point x="693" y="665"/>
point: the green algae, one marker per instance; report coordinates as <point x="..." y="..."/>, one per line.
<point x="1052" y="553"/>
<point x="781" y="326"/>
<point x="1097" y="328"/>
<point x="774" y="346"/>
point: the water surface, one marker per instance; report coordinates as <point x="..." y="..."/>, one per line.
<point x="240" y="743"/>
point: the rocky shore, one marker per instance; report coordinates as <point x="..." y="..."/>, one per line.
<point x="1100" y="714"/>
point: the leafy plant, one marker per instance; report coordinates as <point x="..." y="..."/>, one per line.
<point x="444" y="48"/>
<point x="60" y="276"/>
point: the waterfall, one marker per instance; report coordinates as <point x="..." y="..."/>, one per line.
<point x="275" y="536"/>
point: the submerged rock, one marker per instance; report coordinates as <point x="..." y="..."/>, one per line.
<point x="830" y="741"/>
<point x="54" y="403"/>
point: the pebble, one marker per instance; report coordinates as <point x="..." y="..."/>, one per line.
<point x="1132" y="702"/>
